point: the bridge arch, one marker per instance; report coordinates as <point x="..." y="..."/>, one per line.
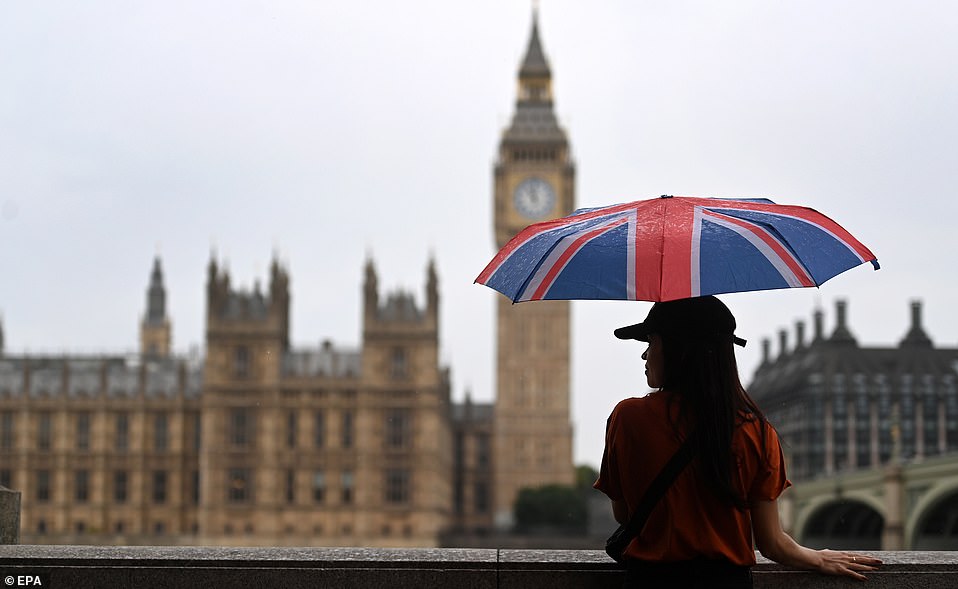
<point x="797" y="523"/>
<point x="843" y="523"/>
<point x="933" y="522"/>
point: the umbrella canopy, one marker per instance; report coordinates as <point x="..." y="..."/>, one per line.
<point x="670" y="248"/>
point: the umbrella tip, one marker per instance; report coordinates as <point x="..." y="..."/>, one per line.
<point x="875" y="264"/>
<point x="666" y="196"/>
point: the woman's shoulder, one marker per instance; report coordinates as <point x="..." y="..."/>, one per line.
<point x="749" y="416"/>
<point x="750" y="421"/>
<point x="755" y="430"/>
<point x="651" y="406"/>
<point x="644" y="402"/>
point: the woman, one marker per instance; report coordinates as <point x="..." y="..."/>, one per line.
<point x="701" y="532"/>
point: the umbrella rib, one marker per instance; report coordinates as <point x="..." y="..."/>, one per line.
<point x="663" y="213"/>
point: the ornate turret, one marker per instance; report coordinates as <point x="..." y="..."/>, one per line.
<point x="432" y="290"/>
<point x="156" y="296"/>
<point x="370" y="291"/>
<point x="155" y="331"/>
<point x="535" y="120"/>
<point x="217" y="287"/>
<point x="399" y="307"/>
<point x="400" y="334"/>
<point x="534" y="173"/>
<point x="228" y="305"/>
<point x="247" y="331"/>
<point x="535" y="77"/>
<point x="279" y="297"/>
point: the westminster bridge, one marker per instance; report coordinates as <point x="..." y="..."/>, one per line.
<point x="906" y="506"/>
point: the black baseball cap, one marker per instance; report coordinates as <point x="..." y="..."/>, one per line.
<point x="699" y="317"/>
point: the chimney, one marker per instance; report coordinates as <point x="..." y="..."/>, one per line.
<point x="819" y="324"/>
<point x="916" y="335"/>
<point x="782" y="343"/>
<point x="841" y="334"/>
<point x="766" y="350"/>
<point x="799" y="335"/>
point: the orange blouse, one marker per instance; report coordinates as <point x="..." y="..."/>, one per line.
<point x="689" y="521"/>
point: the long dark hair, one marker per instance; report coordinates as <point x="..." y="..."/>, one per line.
<point x="712" y="400"/>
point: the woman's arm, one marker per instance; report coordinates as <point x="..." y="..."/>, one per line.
<point x="776" y="545"/>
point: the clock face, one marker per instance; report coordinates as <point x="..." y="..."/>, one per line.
<point x="534" y="198"/>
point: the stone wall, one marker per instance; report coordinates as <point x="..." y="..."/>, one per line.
<point x="9" y="516"/>
<point x="290" y="568"/>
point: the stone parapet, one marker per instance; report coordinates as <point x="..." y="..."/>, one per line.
<point x="9" y="516"/>
<point x="292" y="568"/>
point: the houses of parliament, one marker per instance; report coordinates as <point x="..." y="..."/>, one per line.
<point x="256" y="442"/>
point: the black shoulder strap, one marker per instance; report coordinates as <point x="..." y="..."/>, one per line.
<point x="660" y="485"/>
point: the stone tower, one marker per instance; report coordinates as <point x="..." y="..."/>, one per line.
<point x="404" y="404"/>
<point x="534" y="180"/>
<point x="155" y="332"/>
<point x="247" y="335"/>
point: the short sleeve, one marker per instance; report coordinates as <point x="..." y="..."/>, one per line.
<point x="770" y="478"/>
<point x="608" y="481"/>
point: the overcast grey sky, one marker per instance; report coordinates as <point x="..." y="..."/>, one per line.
<point x="333" y="131"/>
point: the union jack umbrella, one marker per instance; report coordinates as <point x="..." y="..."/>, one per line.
<point x="670" y="248"/>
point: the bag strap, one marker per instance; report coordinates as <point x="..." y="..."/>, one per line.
<point x="659" y="486"/>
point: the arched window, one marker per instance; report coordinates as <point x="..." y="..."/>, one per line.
<point x="241" y="362"/>
<point x="399" y="368"/>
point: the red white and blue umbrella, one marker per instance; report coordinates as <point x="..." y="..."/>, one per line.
<point x="671" y="248"/>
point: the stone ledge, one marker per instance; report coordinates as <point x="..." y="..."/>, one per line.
<point x="216" y="556"/>
<point x="214" y="567"/>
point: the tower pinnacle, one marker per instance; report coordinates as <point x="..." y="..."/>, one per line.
<point x="155" y="331"/>
<point x="534" y="65"/>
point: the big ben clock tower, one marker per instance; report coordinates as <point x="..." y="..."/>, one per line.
<point x="534" y="181"/>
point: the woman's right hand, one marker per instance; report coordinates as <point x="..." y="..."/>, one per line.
<point x="776" y="545"/>
<point x="850" y="564"/>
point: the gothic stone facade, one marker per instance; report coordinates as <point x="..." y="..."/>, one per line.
<point x="841" y="407"/>
<point x="257" y="443"/>
<point x="260" y="443"/>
